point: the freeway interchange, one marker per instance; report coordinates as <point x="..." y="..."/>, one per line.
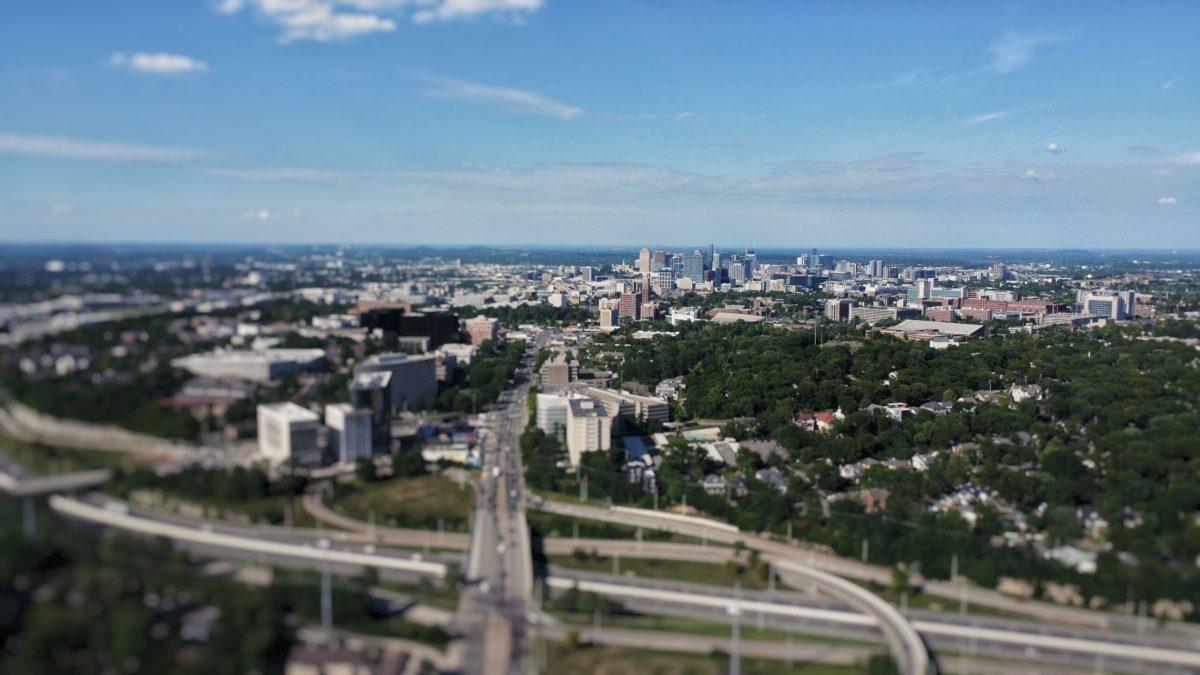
<point x="497" y="620"/>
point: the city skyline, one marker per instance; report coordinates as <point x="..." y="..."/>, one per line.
<point x="554" y="123"/>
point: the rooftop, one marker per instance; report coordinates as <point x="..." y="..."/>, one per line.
<point x="290" y="412"/>
<point x="945" y="327"/>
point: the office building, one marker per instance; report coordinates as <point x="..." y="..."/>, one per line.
<point x="609" y="319"/>
<point x="439" y="327"/>
<point x="665" y="279"/>
<point x="446" y="365"/>
<point x="482" y="329"/>
<point x="924" y="289"/>
<point x="586" y="274"/>
<point x="413" y="381"/>
<point x="372" y="391"/>
<point x="876" y="269"/>
<point x="254" y="366"/>
<point x="622" y="404"/>
<point x="644" y="262"/>
<point x="462" y="353"/>
<point x="693" y="267"/>
<point x="628" y="306"/>
<point x="557" y="372"/>
<point x="589" y="428"/>
<point x="288" y="433"/>
<point x="838" y="309"/>
<point x="552" y="414"/>
<point x="959" y="293"/>
<point x="875" y="314"/>
<point x="350" y="434"/>
<point x="1115" y="305"/>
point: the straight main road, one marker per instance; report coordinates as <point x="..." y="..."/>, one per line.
<point x="495" y="606"/>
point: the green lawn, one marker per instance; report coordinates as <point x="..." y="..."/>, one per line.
<point x="268" y="510"/>
<point x="408" y="502"/>
<point x="604" y="660"/>
<point x="716" y="574"/>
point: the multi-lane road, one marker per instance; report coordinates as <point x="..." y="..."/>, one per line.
<point x="495" y="606"/>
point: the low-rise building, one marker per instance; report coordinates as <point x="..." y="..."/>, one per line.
<point x="482" y="329"/>
<point x="256" y="366"/>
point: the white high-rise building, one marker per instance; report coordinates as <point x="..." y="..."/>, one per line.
<point x="589" y="428"/>
<point x="288" y="432"/>
<point x="349" y="432"/>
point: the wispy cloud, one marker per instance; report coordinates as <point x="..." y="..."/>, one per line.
<point x="158" y="63"/>
<point x="70" y="148"/>
<point x="339" y="20"/>
<point x="1055" y="148"/>
<point x="62" y="209"/>
<point x="988" y="117"/>
<point x="1168" y="201"/>
<point x="1013" y="51"/>
<point x="277" y="173"/>
<point x="1188" y="158"/>
<point x="508" y="99"/>
<point x="684" y="116"/>
<point x="1169" y="84"/>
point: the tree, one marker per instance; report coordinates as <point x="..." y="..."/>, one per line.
<point x="365" y="469"/>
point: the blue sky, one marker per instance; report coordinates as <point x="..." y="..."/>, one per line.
<point x="563" y="121"/>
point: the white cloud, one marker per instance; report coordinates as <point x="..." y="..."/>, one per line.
<point x="1055" y="148"/>
<point x="683" y="116"/>
<point x="280" y="173"/>
<point x="516" y="101"/>
<point x="1166" y="86"/>
<point x="51" y="146"/>
<point x="449" y="10"/>
<point x="318" y="20"/>
<point x="1168" y="201"/>
<point x="264" y="215"/>
<point x="1013" y="51"/>
<point x="987" y="117"/>
<point x="338" y="20"/>
<point x="1033" y="174"/>
<point x="1189" y="158"/>
<point x="158" y="63"/>
<point x="62" y="209"/>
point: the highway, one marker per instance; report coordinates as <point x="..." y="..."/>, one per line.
<point x="267" y="548"/>
<point x="715" y="531"/>
<point x="495" y="605"/>
<point x="903" y="641"/>
<point x="1002" y="638"/>
<point x="964" y="636"/>
<point x="18" y="482"/>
